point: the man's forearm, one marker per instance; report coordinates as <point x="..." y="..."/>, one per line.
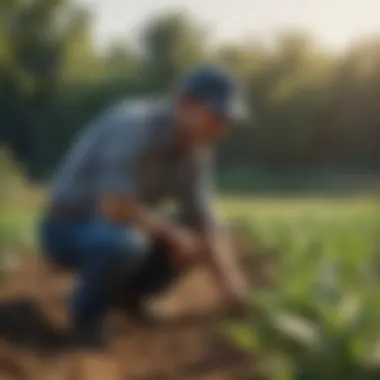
<point x="222" y="263"/>
<point x="131" y="212"/>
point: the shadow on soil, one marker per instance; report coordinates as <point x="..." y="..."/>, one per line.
<point x="23" y="324"/>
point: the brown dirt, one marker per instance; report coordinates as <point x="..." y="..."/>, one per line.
<point x="181" y="346"/>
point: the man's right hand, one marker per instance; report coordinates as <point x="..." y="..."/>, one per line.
<point x="185" y="244"/>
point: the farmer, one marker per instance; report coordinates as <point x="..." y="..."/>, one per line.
<point x="103" y="219"/>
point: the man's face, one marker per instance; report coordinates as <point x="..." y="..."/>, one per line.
<point x="201" y="124"/>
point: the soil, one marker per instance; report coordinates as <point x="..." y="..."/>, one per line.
<point x="182" y="344"/>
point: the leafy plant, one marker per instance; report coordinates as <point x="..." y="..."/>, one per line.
<point x="321" y="321"/>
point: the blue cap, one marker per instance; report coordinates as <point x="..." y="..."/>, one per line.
<point x="216" y="87"/>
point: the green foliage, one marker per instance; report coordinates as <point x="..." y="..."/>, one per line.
<point x="173" y="42"/>
<point x="13" y="233"/>
<point x="12" y="179"/>
<point x="321" y="321"/>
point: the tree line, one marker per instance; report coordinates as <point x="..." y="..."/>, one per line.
<point x="311" y="108"/>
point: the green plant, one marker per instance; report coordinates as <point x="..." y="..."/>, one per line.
<point x="322" y="320"/>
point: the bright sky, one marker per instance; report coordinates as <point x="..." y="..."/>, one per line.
<point x="334" y="22"/>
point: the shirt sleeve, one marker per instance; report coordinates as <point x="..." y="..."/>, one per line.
<point x="195" y="206"/>
<point x="119" y="159"/>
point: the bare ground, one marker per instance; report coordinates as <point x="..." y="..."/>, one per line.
<point x="181" y="346"/>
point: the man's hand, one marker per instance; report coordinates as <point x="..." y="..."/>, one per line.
<point x="186" y="245"/>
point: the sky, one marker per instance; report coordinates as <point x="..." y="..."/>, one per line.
<point x="335" y="23"/>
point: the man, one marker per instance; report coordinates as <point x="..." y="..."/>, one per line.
<point x="102" y="215"/>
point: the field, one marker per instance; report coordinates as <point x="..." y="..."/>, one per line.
<point x="320" y="320"/>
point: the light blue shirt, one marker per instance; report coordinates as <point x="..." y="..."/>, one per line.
<point x="128" y="150"/>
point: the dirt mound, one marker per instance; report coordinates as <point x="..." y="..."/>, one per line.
<point x="181" y="346"/>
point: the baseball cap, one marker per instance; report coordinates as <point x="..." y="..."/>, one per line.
<point x="217" y="87"/>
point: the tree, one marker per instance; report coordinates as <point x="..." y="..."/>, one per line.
<point x="34" y="36"/>
<point x="172" y="43"/>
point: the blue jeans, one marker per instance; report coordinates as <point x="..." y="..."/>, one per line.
<point x="108" y="257"/>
